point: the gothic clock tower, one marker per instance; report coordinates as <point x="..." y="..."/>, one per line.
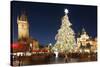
<point x="23" y="26"/>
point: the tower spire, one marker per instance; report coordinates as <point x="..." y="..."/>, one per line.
<point x="83" y="31"/>
<point x="23" y="16"/>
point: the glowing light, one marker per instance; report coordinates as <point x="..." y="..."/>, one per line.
<point x="87" y="50"/>
<point x="50" y="44"/>
<point x="66" y="11"/>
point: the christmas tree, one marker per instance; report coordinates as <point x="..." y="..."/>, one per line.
<point x="65" y="39"/>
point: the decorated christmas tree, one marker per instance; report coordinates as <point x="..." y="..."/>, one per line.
<point x="65" y="39"/>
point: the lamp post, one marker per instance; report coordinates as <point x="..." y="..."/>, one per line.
<point x="30" y="47"/>
<point x="56" y="53"/>
<point x="50" y="47"/>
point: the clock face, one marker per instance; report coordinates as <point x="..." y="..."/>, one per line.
<point x="22" y="26"/>
<point x="22" y="32"/>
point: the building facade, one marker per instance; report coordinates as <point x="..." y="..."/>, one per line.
<point x="85" y="42"/>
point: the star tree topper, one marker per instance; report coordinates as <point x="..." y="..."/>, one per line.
<point x="66" y="11"/>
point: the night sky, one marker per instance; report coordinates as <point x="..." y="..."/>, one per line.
<point x="45" y="19"/>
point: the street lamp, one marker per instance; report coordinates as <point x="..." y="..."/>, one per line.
<point x="50" y="47"/>
<point x="56" y="53"/>
<point x="30" y="47"/>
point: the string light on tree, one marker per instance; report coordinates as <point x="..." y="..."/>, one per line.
<point x="65" y="38"/>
